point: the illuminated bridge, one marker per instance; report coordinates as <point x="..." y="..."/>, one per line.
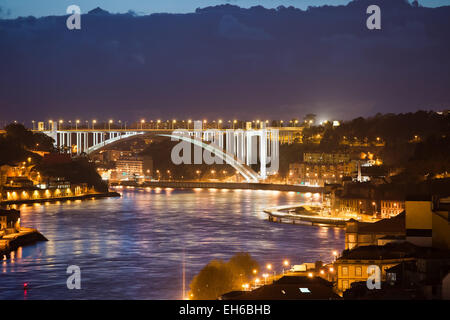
<point x="238" y="148"/>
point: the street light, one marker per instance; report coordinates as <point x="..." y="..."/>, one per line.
<point x="76" y="124"/>
<point x="265" y="275"/>
<point x="285" y="264"/>
<point x="142" y="122"/>
<point x="109" y="124"/>
<point x="93" y="123"/>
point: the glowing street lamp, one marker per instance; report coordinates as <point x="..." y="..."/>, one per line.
<point x="335" y="254"/>
<point x="109" y="124"/>
<point x="93" y="123"/>
<point x="285" y="264"/>
<point x="265" y="275"/>
<point x="76" y="124"/>
<point x="142" y="123"/>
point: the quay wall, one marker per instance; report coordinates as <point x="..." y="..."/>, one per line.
<point x="227" y="185"/>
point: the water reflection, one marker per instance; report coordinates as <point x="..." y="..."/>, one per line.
<point x="131" y="247"/>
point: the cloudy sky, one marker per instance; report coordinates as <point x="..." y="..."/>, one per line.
<point x="16" y="8"/>
<point x="224" y="62"/>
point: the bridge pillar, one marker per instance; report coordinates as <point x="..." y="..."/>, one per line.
<point x="263" y="154"/>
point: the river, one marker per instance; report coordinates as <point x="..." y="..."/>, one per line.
<point x="133" y="247"/>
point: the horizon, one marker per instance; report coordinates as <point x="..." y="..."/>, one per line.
<point x="13" y="9"/>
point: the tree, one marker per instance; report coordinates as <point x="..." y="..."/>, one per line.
<point x="219" y="277"/>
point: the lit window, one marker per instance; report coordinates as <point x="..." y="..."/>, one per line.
<point x="345" y="271"/>
<point x="304" y="290"/>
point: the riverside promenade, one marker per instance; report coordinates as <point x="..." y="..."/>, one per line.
<point x="226" y="185"/>
<point x="311" y="216"/>
<point x="65" y="198"/>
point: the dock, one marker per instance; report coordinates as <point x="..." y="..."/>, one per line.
<point x="25" y="236"/>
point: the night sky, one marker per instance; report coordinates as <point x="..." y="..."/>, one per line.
<point x="221" y="62"/>
<point x="17" y="8"/>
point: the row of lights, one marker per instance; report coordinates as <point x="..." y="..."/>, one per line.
<point x="174" y="121"/>
<point x="269" y="268"/>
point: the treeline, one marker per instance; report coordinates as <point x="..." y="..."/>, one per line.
<point x="17" y="142"/>
<point x="393" y="129"/>
<point x="417" y="142"/>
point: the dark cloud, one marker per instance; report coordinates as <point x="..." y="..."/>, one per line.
<point x="229" y="62"/>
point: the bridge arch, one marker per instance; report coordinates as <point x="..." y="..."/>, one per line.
<point x="248" y="173"/>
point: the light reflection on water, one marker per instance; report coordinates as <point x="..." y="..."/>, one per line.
<point x="131" y="247"/>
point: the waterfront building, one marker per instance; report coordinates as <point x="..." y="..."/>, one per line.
<point x="9" y="221"/>
<point x="43" y="192"/>
<point x="391" y="208"/>
<point x="428" y="221"/>
<point x="318" y="169"/>
<point x="353" y="265"/>
<point x="427" y="276"/>
<point x="367" y="198"/>
<point x="130" y="168"/>
<point x="377" y="233"/>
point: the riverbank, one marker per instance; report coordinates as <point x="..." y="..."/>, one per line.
<point x="311" y="216"/>
<point x="224" y="185"/>
<point x="54" y="199"/>
<point x="24" y="237"/>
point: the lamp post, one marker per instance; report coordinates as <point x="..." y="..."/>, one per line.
<point x="76" y="124"/>
<point x="285" y="264"/>
<point x="142" y="123"/>
<point x="93" y="124"/>
<point x="109" y="124"/>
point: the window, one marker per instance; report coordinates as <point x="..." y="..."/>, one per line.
<point x="304" y="290"/>
<point x="345" y="271"/>
<point x="358" y="271"/>
<point x="344" y="285"/>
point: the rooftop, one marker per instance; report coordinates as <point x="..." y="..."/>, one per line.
<point x="288" y="288"/>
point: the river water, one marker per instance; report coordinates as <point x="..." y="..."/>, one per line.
<point x="133" y="247"/>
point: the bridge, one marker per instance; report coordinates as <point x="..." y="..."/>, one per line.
<point x="239" y="148"/>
